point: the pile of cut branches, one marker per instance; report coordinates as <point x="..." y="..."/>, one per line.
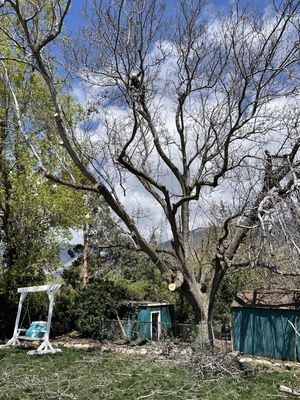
<point x="215" y="364"/>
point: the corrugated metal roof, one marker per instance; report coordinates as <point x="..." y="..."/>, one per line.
<point x="285" y="299"/>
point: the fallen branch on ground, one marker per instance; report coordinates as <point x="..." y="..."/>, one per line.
<point x="286" y="389"/>
<point x="213" y="364"/>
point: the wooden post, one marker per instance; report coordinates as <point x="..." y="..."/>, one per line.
<point x="14" y="340"/>
<point x="50" y="312"/>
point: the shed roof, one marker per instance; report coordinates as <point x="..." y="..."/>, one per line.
<point x="144" y="303"/>
<point x="147" y="304"/>
<point x="284" y="299"/>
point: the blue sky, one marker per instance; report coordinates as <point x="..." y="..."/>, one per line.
<point x="75" y="17"/>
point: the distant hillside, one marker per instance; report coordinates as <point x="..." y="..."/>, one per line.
<point x="65" y="258"/>
<point x="199" y="238"/>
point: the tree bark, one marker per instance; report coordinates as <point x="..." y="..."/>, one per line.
<point x="85" y="255"/>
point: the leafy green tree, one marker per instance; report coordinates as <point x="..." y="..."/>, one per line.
<point x="35" y="214"/>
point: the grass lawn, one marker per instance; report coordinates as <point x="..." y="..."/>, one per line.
<point x="82" y="374"/>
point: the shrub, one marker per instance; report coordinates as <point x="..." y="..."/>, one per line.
<point x="99" y="301"/>
<point x="64" y="314"/>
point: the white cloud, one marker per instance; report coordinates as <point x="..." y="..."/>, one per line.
<point x="198" y="120"/>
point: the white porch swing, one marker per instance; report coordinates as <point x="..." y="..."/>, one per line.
<point x="38" y="330"/>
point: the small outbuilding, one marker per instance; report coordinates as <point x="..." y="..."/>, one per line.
<point x="150" y="321"/>
<point x="155" y="320"/>
<point x="266" y="322"/>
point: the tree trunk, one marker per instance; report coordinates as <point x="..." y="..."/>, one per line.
<point x="200" y="304"/>
<point x="202" y="299"/>
<point x="85" y="268"/>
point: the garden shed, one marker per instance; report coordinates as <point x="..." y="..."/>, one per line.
<point x="264" y="323"/>
<point x="154" y="320"/>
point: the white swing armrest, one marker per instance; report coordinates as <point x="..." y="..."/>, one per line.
<point x="20" y="330"/>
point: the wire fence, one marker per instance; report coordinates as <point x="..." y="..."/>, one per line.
<point x="137" y="331"/>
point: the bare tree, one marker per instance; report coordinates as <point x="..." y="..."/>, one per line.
<point x="190" y="106"/>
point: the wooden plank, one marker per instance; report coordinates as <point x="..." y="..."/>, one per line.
<point x="42" y="288"/>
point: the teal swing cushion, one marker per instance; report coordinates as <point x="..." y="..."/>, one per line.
<point x="37" y="329"/>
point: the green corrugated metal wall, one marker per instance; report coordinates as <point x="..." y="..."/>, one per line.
<point x="144" y="317"/>
<point x="266" y="332"/>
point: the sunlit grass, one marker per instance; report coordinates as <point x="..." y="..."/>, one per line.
<point x="82" y="374"/>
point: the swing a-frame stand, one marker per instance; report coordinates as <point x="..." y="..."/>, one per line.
<point x="45" y="347"/>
